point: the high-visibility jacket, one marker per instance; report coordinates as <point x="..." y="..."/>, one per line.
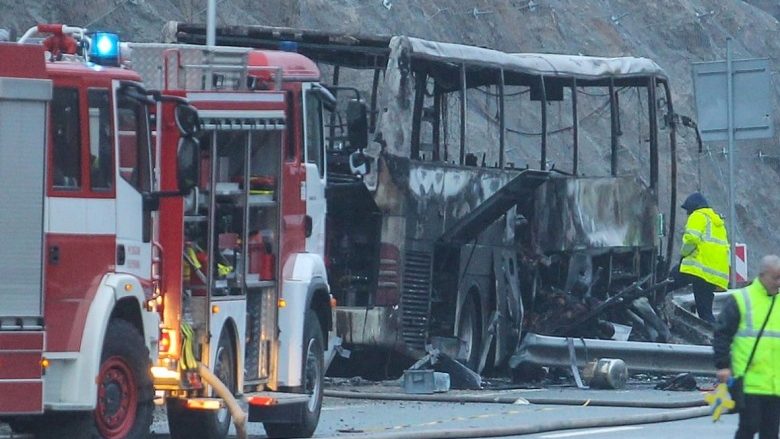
<point x="763" y="376"/>
<point x="705" y="247"/>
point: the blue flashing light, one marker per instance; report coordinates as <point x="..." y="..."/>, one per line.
<point x="288" y="46"/>
<point x="104" y="49"/>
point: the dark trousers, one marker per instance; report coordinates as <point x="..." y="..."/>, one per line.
<point x="761" y="415"/>
<point x="703" y="292"/>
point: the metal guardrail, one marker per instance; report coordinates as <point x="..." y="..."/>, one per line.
<point x="639" y="356"/>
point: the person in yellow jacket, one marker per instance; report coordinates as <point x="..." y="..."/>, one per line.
<point x="737" y="334"/>
<point x="705" y="253"/>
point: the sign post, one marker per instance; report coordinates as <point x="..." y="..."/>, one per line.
<point x="733" y="102"/>
<point x="740" y="269"/>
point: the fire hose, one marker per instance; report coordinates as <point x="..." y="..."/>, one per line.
<point x="575" y="424"/>
<point x="238" y="415"/>
<point x="189" y="363"/>
<point x="685" y="410"/>
<point x="508" y="399"/>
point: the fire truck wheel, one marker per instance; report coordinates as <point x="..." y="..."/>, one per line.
<point x="125" y="393"/>
<point x="469" y="334"/>
<point x="184" y="423"/>
<point x="313" y="380"/>
<point x="125" y="401"/>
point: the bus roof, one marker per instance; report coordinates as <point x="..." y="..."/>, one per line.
<point x="550" y="65"/>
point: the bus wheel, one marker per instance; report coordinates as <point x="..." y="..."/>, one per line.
<point x="313" y="380"/>
<point x="186" y="423"/>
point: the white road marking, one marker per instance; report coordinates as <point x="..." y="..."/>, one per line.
<point x="342" y="407"/>
<point x="590" y="431"/>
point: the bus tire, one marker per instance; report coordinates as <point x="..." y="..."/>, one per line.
<point x="469" y="334"/>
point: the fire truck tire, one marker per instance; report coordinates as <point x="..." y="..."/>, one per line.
<point x="125" y="369"/>
<point x="314" y="377"/>
<point x="187" y="424"/>
<point x="469" y="334"/>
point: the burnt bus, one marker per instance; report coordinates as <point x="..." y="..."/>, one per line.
<point x="475" y="195"/>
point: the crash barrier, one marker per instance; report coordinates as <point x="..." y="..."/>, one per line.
<point x="514" y="399"/>
<point x="576" y="424"/>
<point x="545" y="350"/>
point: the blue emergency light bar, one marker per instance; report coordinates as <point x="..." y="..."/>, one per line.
<point x="104" y="49"/>
<point x="288" y="46"/>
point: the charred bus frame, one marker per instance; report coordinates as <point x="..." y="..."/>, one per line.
<point x="427" y="246"/>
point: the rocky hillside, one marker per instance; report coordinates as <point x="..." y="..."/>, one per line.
<point x="674" y="33"/>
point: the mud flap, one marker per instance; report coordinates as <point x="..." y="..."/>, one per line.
<point x="334" y="348"/>
<point x="487" y="340"/>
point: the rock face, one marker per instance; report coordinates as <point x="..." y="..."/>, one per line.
<point x="674" y="33"/>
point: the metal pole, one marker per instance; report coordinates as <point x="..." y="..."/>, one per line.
<point x="543" y="159"/>
<point x="501" y="121"/>
<point x="613" y="129"/>
<point x="730" y="114"/>
<point x="575" y="128"/>
<point x="463" y="109"/>
<point x="211" y="41"/>
<point x="211" y="20"/>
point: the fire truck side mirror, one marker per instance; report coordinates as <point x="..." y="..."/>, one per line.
<point x="357" y="125"/>
<point x="188" y="161"/>
<point x="187" y="119"/>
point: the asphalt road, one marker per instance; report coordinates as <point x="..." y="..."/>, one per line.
<point x="362" y="418"/>
<point x="349" y="418"/>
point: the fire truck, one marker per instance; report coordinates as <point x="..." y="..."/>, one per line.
<point x="254" y="288"/>
<point x="152" y="253"/>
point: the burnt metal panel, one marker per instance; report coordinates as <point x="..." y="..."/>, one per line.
<point x="438" y="196"/>
<point x="574" y="214"/>
<point x="377" y="326"/>
<point x="488" y="211"/>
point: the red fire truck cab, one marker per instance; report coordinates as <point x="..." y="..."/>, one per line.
<point x="80" y="266"/>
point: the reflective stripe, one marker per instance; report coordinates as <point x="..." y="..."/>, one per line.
<point x="748" y="309"/>
<point x="708" y="234"/>
<point x="693" y="232"/>
<point x="687" y="249"/>
<point x="707" y="270"/>
<point x="754" y="334"/>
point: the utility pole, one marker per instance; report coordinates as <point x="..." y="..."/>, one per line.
<point x="211" y="23"/>
<point x="732" y="207"/>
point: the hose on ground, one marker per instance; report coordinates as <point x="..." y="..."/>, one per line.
<point x="509" y="399"/>
<point x="238" y="415"/>
<point x="576" y="424"/>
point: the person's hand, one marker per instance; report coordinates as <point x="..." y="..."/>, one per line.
<point x="723" y="375"/>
